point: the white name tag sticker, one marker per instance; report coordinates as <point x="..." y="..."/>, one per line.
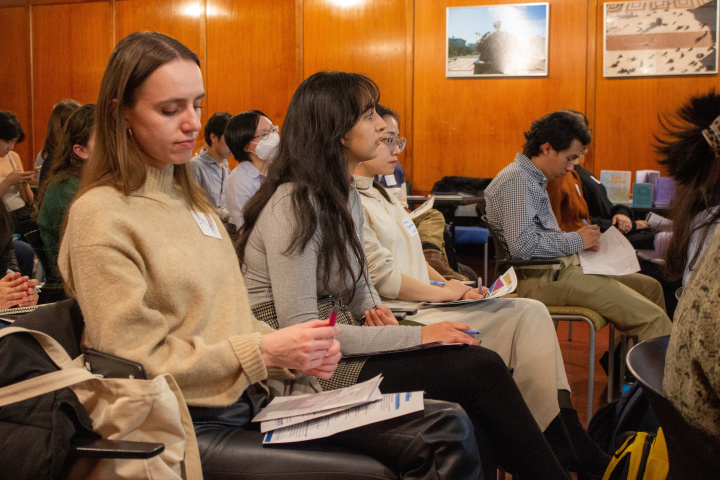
<point x="207" y="224"/>
<point x="390" y="180"/>
<point x="410" y="226"/>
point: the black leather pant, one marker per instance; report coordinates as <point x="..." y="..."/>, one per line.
<point x="438" y="443"/>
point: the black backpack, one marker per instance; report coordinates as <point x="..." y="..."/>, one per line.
<point x="613" y="423"/>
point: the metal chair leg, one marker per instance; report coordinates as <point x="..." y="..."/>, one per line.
<point x="485" y="266"/>
<point x="591" y="374"/>
<point x="611" y="362"/>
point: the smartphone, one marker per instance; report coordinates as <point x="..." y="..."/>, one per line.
<point x="111" y="366"/>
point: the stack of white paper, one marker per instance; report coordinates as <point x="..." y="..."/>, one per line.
<point x="423" y="208"/>
<point x="307" y="417"/>
<point x="615" y="257"/>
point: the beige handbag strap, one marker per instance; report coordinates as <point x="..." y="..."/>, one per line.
<point x="69" y="374"/>
<point x="193" y="468"/>
<point x="43" y="384"/>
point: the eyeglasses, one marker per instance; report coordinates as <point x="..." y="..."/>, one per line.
<point x="394" y="141"/>
<point x="265" y="134"/>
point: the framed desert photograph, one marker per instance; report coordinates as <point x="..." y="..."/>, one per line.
<point x="497" y="40"/>
<point x="660" y="37"/>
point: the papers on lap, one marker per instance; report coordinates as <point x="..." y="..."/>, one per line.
<point x="616" y="256"/>
<point x="307" y="417"/>
<point x="506" y="283"/>
<point x="391" y="405"/>
<point x="316" y="402"/>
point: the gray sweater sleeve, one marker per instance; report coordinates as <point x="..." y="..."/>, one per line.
<point x="296" y="283"/>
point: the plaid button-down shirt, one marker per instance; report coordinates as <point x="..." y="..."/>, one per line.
<point x="518" y="210"/>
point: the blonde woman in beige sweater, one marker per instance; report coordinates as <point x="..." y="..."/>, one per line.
<point x="158" y="282"/>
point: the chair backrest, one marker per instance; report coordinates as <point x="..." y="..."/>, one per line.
<point x="689" y="450"/>
<point x="500" y="253"/>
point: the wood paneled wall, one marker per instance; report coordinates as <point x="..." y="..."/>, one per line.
<point x="627" y="109"/>
<point x="473" y="126"/>
<point x="254" y="54"/>
<point x="15" y="80"/>
<point x="71" y="44"/>
<point x="249" y="65"/>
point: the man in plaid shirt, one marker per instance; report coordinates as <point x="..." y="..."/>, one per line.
<point x="519" y="211"/>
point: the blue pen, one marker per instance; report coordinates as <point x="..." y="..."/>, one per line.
<point x="586" y="222"/>
<point x="471" y="332"/>
<point x="435" y="282"/>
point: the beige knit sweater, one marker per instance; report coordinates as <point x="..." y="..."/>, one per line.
<point x="153" y="288"/>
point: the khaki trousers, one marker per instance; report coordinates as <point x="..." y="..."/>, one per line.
<point x="431" y="227"/>
<point x="634" y="303"/>
<point x="522" y="333"/>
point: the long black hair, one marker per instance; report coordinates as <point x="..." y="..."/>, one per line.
<point x="240" y="131"/>
<point x="312" y="157"/>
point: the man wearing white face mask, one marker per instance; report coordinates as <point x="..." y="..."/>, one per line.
<point x="253" y="140"/>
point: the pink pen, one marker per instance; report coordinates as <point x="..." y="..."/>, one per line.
<point x="333" y="315"/>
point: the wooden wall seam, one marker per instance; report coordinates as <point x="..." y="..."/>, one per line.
<point x="32" y="89"/>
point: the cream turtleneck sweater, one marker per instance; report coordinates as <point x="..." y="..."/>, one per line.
<point x="392" y="243"/>
<point x="154" y="289"/>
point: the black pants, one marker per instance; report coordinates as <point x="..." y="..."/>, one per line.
<point x="478" y="380"/>
<point x="437" y="443"/>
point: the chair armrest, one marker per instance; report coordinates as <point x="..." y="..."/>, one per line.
<point x="518" y="264"/>
<point x="103" y="448"/>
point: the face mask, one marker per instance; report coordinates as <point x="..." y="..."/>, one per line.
<point x="267" y="147"/>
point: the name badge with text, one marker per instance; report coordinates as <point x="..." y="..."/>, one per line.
<point x="207" y="224"/>
<point x="390" y="180"/>
<point x="410" y="226"/>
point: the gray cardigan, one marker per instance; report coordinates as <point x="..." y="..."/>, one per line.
<point x="293" y="282"/>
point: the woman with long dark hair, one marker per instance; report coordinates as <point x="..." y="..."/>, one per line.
<point x="56" y="194"/>
<point x="690" y="150"/>
<point x="302" y="252"/>
<point x="157" y="280"/>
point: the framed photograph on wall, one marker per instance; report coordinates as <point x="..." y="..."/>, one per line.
<point x="660" y="37"/>
<point x="497" y="40"/>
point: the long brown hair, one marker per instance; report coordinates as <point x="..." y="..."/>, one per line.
<point x="695" y="166"/>
<point x="56" y="124"/>
<point x="68" y="164"/>
<point x="312" y="157"/>
<point x="116" y="160"/>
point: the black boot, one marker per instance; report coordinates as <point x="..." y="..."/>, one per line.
<point x="574" y="449"/>
<point x="557" y="436"/>
<point x="591" y="460"/>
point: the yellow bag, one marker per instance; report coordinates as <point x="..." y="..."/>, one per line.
<point x="643" y="456"/>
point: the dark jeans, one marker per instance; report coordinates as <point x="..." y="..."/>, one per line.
<point x="478" y="380"/>
<point x="25" y="257"/>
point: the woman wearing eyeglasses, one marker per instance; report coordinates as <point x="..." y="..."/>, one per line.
<point x="302" y="241"/>
<point x="519" y="330"/>
<point x="252" y="138"/>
